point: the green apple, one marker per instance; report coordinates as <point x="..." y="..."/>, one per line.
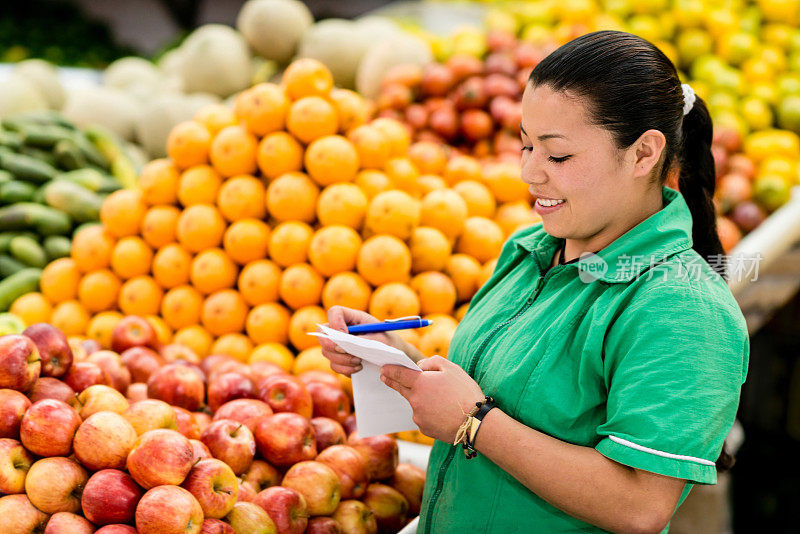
<point x="10" y="324"/>
<point x="789" y="113"/>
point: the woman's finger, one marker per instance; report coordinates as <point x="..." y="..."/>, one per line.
<point x="344" y="359"/>
<point x="395" y="385"/>
<point x="434" y="363"/>
<point x="346" y="370"/>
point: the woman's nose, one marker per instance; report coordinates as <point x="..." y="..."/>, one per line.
<point x="532" y="173"/>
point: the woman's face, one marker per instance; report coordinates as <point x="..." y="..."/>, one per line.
<point x="584" y="184"/>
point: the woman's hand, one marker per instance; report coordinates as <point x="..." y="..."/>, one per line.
<point x="441" y="395"/>
<point x="339" y="318"/>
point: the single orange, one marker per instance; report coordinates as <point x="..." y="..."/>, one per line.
<point x="346" y="289"/>
<point x="428" y="157"/>
<point x="224" y="312"/>
<point x="268" y="323"/>
<point x="70" y="317"/>
<point x="403" y="174"/>
<point x="482" y="239"/>
<point x="258" y="282"/>
<point x="383" y="259"/>
<point x="171" y="264"/>
<point x="32" y="308"/>
<point x="242" y="197"/>
<point x="276" y="353"/>
<point x="505" y="182"/>
<point x="445" y="210"/>
<point x="372" y="145"/>
<point x="479" y="199"/>
<point x="200" y="227"/>
<point x="159" y="182"/>
<point x="331" y="159"/>
<point x="334" y="249"/>
<point x="344" y="204"/>
<point x="279" y="153"/>
<point x="373" y="182"/>
<point x="300" y="285"/>
<point x="196" y="338"/>
<point x="460" y="168"/>
<point x="212" y="270"/>
<point x="233" y="151"/>
<point x="288" y="243"/>
<point x="461" y="311"/>
<point x="465" y="272"/>
<point x="98" y="290"/>
<point x="435" y="340"/>
<point x="292" y="197"/>
<point x="159" y="225"/>
<point x="311" y="359"/>
<point x="122" y="212"/>
<point x="188" y="143"/>
<point x="215" y="117"/>
<point x="397" y="133"/>
<point x="394" y="213"/>
<point x="246" y="240"/>
<point x="140" y="296"/>
<point x="512" y="216"/>
<point x="437" y="293"/>
<point x="487" y="271"/>
<point x="91" y="248"/>
<point x="307" y="77"/>
<point x="235" y="345"/>
<point x="430" y="249"/>
<point x="181" y="306"/>
<point x="430" y="182"/>
<point x="101" y="327"/>
<point x="393" y="300"/>
<point x="199" y="185"/>
<point x="303" y="321"/>
<point x="352" y="109"/>
<point x="310" y="118"/>
<point x="262" y="108"/>
<point x="163" y="331"/>
<point x="60" y="280"/>
<point x="131" y="257"/>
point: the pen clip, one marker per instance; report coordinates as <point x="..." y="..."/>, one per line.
<point x="409" y="318"/>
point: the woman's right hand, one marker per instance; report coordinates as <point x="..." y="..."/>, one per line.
<point x="339" y="318"/>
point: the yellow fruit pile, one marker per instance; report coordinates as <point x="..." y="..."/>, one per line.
<point x="267" y="214"/>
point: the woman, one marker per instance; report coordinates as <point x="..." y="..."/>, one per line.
<point x="612" y="348"/>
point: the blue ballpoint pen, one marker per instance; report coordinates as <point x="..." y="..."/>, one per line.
<point x="392" y="324"/>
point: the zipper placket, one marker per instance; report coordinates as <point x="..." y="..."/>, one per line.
<point x="471" y="370"/>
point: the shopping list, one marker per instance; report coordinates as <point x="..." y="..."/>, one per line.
<point x="379" y="408"/>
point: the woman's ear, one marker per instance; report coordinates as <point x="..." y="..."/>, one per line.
<point x="647" y="151"/>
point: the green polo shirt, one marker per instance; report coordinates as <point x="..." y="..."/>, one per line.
<point x="638" y="351"/>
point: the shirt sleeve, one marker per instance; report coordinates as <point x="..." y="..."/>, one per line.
<point x="674" y="363"/>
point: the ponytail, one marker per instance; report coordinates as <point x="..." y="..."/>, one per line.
<point x="697" y="181"/>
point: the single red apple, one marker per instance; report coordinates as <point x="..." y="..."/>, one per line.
<point x="132" y="331"/>
<point x="229" y="366"/>
<point x="388" y="505"/>
<point x="110" y="496"/>
<point x="350" y="425"/>
<point x="199" y="451"/>
<point x="323" y="525"/>
<point x="232" y="442"/>
<point x="116" y="529"/>
<point x="150" y="414"/>
<point x="227" y="387"/>
<point x="329" y="401"/>
<point x="203" y="420"/>
<point x="260" y="476"/>
<point x="212" y="360"/>
<point x="349" y="466"/>
<point x="327" y="432"/>
<point x="246" y="493"/>
<point x="177" y="385"/>
<point x="111" y="363"/>
<point x="284" y="439"/>
<point x="245" y="411"/>
<point x="81" y="375"/>
<point x="356" y="517"/>
<point x="15" y="462"/>
<point x="19" y="516"/>
<point x="315" y="375"/>
<point x="160" y="457"/>
<point x="67" y="523"/>
<point x="286" y="507"/>
<point x="216" y="526"/>
<point x="103" y="441"/>
<point x="168" y="510"/>
<point x="380" y="452"/>
<point x="285" y="393"/>
<point x="48" y="428"/>
<point x="13" y="406"/>
<point x="20" y="363"/>
<point x="51" y="388"/>
<point x="53" y="348"/>
<point x="187" y="425"/>
<point x="409" y="480"/>
<point x="141" y="362"/>
<point x="261" y="370"/>
<point x="55" y="485"/>
<point x="91" y="346"/>
<point x="214" y="485"/>
<point x="173" y="352"/>
<point x="101" y="398"/>
<point x="317" y="483"/>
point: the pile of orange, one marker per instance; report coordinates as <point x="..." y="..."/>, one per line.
<point x="265" y="215"/>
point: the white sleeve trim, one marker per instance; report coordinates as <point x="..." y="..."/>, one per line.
<point x="660" y="453"/>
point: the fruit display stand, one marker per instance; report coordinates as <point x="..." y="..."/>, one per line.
<point x="776" y="246"/>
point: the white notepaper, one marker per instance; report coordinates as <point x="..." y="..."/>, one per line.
<point x="379" y="408"/>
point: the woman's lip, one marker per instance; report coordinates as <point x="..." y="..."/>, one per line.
<point x="532" y="192"/>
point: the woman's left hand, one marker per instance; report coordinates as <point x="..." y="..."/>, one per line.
<point x="441" y="395"/>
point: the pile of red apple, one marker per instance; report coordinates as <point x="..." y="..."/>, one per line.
<point x="148" y="439"/>
<point x="470" y="104"/>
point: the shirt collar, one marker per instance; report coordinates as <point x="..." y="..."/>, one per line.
<point x="663" y="234"/>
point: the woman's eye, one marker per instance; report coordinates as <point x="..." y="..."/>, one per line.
<point x="562" y="159"/>
<point x="530" y="148"/>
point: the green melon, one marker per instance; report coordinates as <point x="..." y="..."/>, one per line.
<point x="377" y="61"/>
<point x="106" y="106"/>
<point x="215" y="59"/>
<point x="273" y="28"/>
<point x="45" y="76"/>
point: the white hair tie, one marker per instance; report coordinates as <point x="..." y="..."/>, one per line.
<point x="688" y="98"/>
